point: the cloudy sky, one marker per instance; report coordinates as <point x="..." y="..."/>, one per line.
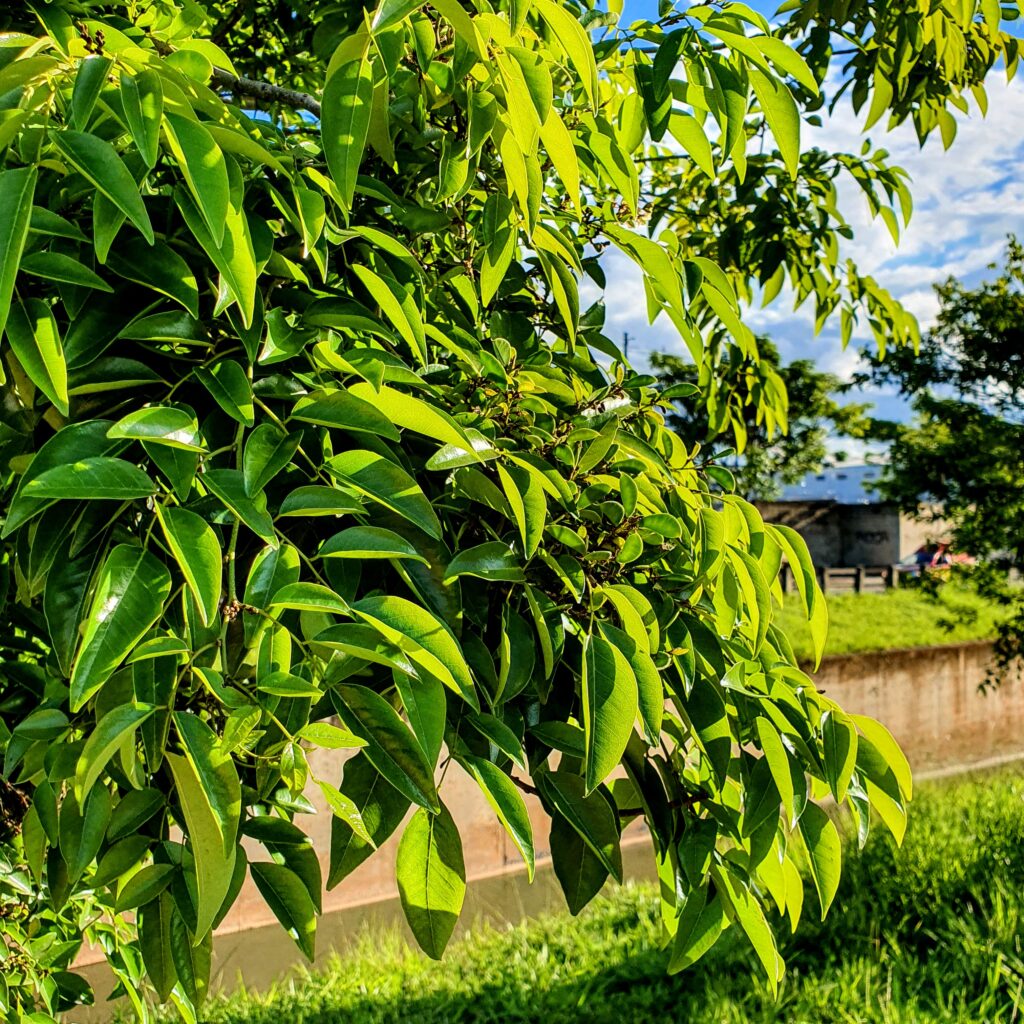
<point x="966" y="202"/>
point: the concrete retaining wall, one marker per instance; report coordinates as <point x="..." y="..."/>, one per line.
<point x="928" y="697"/>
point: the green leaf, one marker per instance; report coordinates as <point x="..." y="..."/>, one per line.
<point x="197" y="551"/>
<point x="427" y="641"/>
<point x="34" y="337"/>
<point x="609" y="697"/>
<point x="345" y="120"/>
<point x="824" y="852"/>
<point x="192" y="959"/>
<point x="499" y="234"/>
<point x="343" y="807"/>
<point x="572" y="37"/>
<point x="229" y="486"/>
<point x="700" y="924"/>
<point x="490" y="561"/>
<point x="129" y="598"/>
<point x="526" y="499"/>
<point x="781" y="113"/>
<point x="110" y="733"/>
<point x="207" y="787"/>
<point x="160" y="424"/>
<point x="268" y="450"/>
<point x="143" y="887"/>
<point x="158" y="267"/>
<point x="650" y="692"/>
<point x="17" y="188"/>
<point x="309" y="597"/>
<point x="398" y="306"/>
<point x="882" y="740"/>
<point x="230" y="388"/>
<point x="82" y="828"/>
<point x="590" y="815"/>
<point x="317" y="500"/>
<point x="381" y="808"/>
<point x="94" y="479"/>
<point x="202" y="165"/>
<point x="288" y="898"/>
<point x="839" y="745"/>
<point x="381" y="480"/>
<point x="341" y="408"/>
<point x="369" y="542"/>
<point x="143" y="100"/>
<point x="89" y="82"/>
<point x="155" y="944"/>
<point x="495" y="730"/>
<point x="580" y="873"/>
<point x="411" y="413"/>
<point x="97" y="161"/>
<point x="390" y="746"/>
<point x="56" y="266"/>
<point x="508" y="804"/>
<point x="431" y="877"/>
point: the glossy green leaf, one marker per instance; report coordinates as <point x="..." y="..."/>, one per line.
<point x="155" y="944"/>
<point x="158" y="267"/>
<point x="609" y="697"/>
<point x="160" y="424"/>
<point x="590" y="815"/>
<point x="345" y="121"/>
<point x="381" y="808"/>
<point x="431" y="877"/>
<point x="229" y="486"/>
<point x="288" y="898"/>
<point x="230" y="387"/>
<point x="17" y="188"/>
<point x="142" y="100"/>
<point x="508" y="804"/>
<point x="202" y="165"/>
<point x="342" y="408"/>
<point x="268" y="450"/>
<point x="35" y="338"/>
<point x="824" y="853"/>
<point x="381" y="480"/>
<point x="56" y="266"/>
<point x="390" y="747"/>
<point x="97" y="161"/>
<point x="97" y="479"/>
<point x="490" y="561"/>
<point x="369" y="542"/>
<point x="110" y="733"/>
<point x="129" y="598"/>
<point x="208" y="789"/>
<point x="197" y="551"/>
<point x="428" y="642"/>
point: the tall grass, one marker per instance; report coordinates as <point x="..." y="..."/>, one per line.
<point x="930" y="934"/>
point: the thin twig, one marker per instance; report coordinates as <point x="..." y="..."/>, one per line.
<point x="626" y="812"/>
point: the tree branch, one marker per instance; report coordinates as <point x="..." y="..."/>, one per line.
<point x="264" y="91"/>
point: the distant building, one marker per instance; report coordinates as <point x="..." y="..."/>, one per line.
<point x="846" y="524"/>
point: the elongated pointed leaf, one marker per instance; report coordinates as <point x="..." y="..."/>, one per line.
<point x="431" y="877"/>
<point x="110" y="733"/>
<point x="590" y="815"/>
<point x="610" y="703"/>
<point x="390" y="746"/>
<point x="229" y="486"/>
<point x="129" y="598"/>
<point x="369" y="542"/>
<point x="143" y="100"/>
<point x="380" y="479"/>
<point x="231" y="389"/>
<point x="342" y="408"/>
<point x="160" y="424"/>
<point x="34" y="336"/>
<point x="201" y="163"/>
<point x="345" y="120"/>
<point x="288" y="898"/>
<point x="267" y="451"/>
<point x="93" y="479"/>
<point x="17" y="188"/>
<point x="508" y="804"/>
<point x="197" y="551"/>
<point x="211" y="801"/>
<point x="97" y="161"/>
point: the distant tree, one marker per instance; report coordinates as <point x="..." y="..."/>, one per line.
<point x="775" y="449"/>
<point x="965" y="446"/>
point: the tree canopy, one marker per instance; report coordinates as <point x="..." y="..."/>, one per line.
<point x="307" y="442"/>
<point x="771" y="449"/>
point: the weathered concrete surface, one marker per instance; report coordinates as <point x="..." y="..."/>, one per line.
<point x="928" y="697"/>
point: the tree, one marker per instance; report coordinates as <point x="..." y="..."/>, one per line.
<point x="288" y="290"/>
<point x="774" y="450"/>
<point x="965" y="447"/>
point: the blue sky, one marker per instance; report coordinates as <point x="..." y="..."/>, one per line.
<point x="966" y="202"/>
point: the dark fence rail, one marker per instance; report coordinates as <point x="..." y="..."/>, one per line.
<point x="869" y="579"/>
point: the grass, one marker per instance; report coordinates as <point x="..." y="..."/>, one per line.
<point x="927" y="935"/>
<point x="904" y="617"/>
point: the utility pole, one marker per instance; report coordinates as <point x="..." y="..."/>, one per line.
<point x="625" y="344"/>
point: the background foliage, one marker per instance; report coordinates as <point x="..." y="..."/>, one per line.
<point x="308" y="443"/>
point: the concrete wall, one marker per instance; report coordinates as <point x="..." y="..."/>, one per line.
<point x="928" y="697"/>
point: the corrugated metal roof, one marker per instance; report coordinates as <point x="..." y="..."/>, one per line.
<point x="849" y="485"/>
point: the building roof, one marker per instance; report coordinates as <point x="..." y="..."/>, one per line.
<point x="848" y="485"/>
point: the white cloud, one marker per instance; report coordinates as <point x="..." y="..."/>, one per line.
<point x="966" y="201"/>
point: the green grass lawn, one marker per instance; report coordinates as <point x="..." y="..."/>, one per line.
<point x="905" y="617"/>
<point x="927" y="935"/>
